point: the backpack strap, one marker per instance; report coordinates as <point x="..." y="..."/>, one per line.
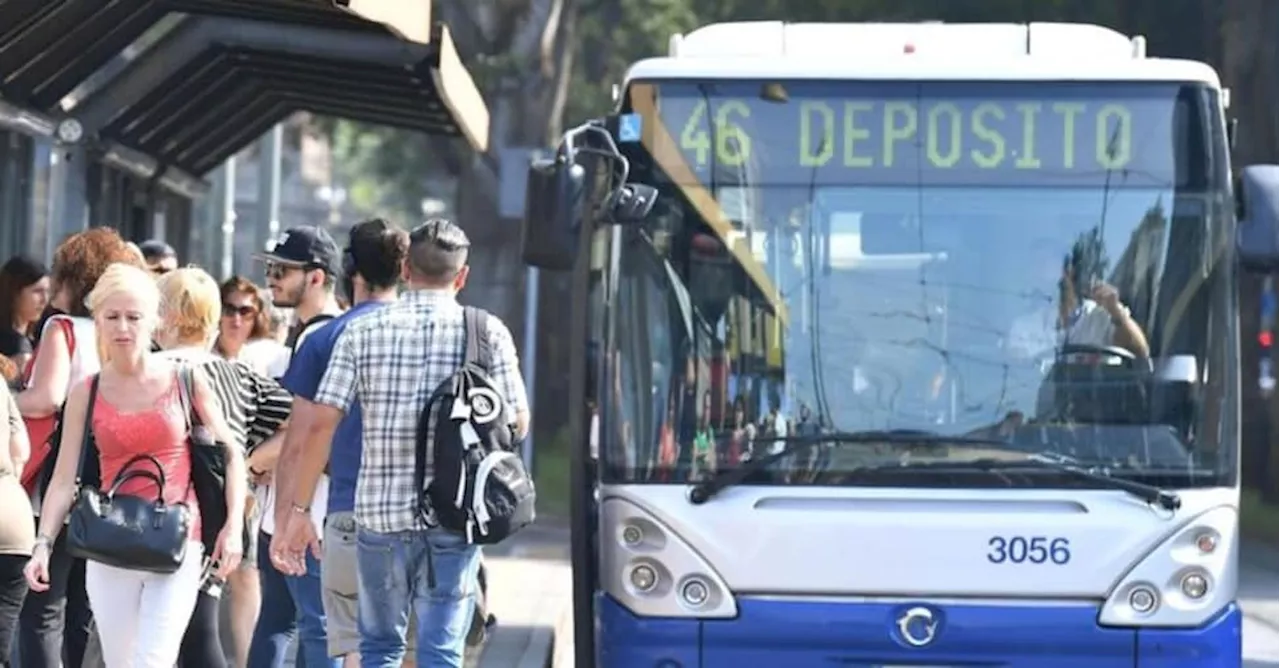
<point x="479" y="351"/>
<point x="306" y="329"/>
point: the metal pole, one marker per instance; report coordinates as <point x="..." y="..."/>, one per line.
<point x="530" y="354"/>
<point x="268" y="223"/>
<point x="227" y="218"/>
<point x="69" y="190"/>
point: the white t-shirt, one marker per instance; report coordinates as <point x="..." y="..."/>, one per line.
<point x="84" y="363"/>
<point x="267" y="356"/>
<point x="277" y="361"/>
<point x="1037" y="333"/>
<point x="779" y="430"/>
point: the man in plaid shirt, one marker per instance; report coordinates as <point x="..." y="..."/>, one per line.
<point x="391" y="361"/>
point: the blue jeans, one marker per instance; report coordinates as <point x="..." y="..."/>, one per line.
<point x="289" y="604"/>
<point x="434" y="571"/>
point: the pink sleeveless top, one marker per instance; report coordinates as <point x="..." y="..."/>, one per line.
<point x="160" y="431"/>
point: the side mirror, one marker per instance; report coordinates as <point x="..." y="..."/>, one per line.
<point x="552" y="213"/>
<point x="1258" y="194"/>
<point x="562" y="190"/>
<point x="632" y="203"/>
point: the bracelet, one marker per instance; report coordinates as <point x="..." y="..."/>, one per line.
<point x="42" y="541"/>
<point x="300" y="509"/>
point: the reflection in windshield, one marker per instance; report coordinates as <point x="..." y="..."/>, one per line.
<point x="1087" y="321"/>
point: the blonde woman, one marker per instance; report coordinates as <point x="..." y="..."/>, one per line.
<point x="138" y="410"/>
<point x="256" y="409"/>
<point x="56" y="622"/>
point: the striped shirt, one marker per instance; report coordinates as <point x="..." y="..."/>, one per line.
<point x="391" y="360"/>
<point x="254" y="405"/>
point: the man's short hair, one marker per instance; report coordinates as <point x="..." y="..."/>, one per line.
<point x="377" y="251"/>
<point x="438" y="250"/>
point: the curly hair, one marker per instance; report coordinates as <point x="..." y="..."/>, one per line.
<point x="80" y="261"/>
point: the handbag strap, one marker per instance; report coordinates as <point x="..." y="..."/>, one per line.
<point x="86" y="439"/>
<point x="187" y="393"/>
<point x="184" y="394"/>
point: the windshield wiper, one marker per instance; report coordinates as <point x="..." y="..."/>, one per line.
<point x="703" y="491"/>
<point x="1150" y="494"/>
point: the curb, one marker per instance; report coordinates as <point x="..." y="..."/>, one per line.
<point x="562" y="643"/>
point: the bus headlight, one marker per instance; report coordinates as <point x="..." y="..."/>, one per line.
<point x="1184" y="581"/>
<point x="1195" y="585"/>
<point x="695" y="592"/>
<point x="632" y="535"/>
<point x="644" y="578"/>
<point x="653" y="572"/>
<point x="1143" y="599"/>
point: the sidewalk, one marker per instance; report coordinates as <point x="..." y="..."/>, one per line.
<point x="530" y="594"/>
<point x="1259" y="587"/>
<point x="1259" y="582"/>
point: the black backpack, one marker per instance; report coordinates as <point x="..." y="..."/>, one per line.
<point x="479" y="486"/>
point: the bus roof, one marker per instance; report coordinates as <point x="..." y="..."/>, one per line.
<point x="923" y="51"/>
<point x="923" y="69"/>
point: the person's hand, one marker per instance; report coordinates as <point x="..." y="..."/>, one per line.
<point x="1108" y="298"/>
<point x="260" y="478"/>
<point x="37" y="568"/>
<point x="289" y="546"/>
<point x="229" y="549"/>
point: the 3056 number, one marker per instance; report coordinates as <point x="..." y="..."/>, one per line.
<point x="1034" y="550"/>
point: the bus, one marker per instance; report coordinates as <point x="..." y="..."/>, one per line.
<point x="902" y="345"/>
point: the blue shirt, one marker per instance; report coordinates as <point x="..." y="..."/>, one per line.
<point x="303" y="380"/>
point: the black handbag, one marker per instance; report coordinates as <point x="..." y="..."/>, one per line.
<point x="122" y="530"/>
<point x="208" y="467"/>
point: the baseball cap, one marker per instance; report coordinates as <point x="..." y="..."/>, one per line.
<point x="307" y="246"/>
<point x="155" y="249"/>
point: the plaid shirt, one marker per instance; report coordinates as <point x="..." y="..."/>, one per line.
<point x="391" y="361"/>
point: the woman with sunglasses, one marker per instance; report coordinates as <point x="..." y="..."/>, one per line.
<point x="245" y="334"/>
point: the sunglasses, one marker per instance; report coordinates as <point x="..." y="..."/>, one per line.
<point x="244" y="311"/>
<point x="278" y="270"/>
<point x="160" y="271"/>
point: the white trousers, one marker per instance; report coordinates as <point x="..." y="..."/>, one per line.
<point x="141" y="617"/>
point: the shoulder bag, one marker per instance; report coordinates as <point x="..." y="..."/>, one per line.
<point x="208" y="466"/>
<point x="122" y="530"/>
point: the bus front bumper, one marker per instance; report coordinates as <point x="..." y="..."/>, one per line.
<point x="798" y="633"/>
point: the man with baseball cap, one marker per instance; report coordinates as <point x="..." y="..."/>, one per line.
<point x="303" y="268"/>
<point x="302" y="271"/>
<point x="160" y="257"/>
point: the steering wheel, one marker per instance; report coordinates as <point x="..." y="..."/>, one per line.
<point x="1125" y="354"/>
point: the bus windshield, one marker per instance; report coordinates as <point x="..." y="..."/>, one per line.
<point x="1043" y="264"/>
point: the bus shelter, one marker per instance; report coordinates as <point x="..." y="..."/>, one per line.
<point x="113" y="113"/>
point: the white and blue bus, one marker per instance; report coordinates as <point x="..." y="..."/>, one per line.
<point x="903" y="345"/>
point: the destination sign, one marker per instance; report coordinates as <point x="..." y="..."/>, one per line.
<point x="851" y="133"/>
